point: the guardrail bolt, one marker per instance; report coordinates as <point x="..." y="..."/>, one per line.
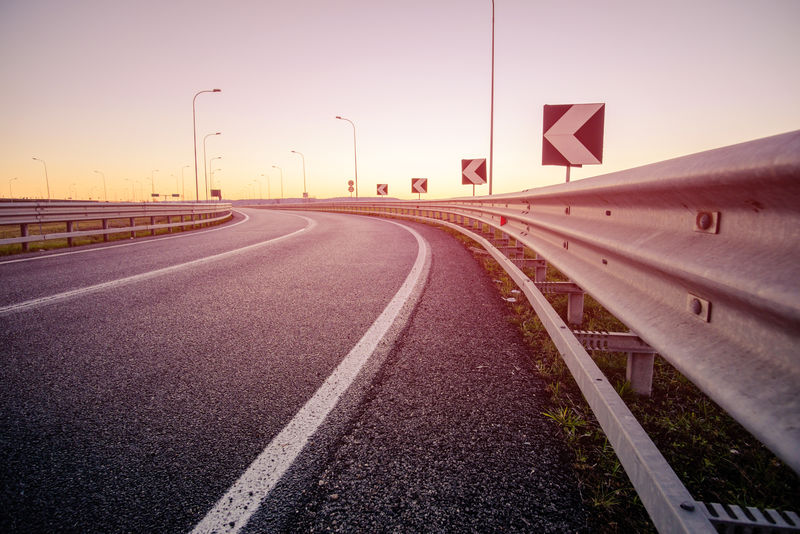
<point x="704" y="220"/>
<point x="696" y="306"/>
<point x="686" y="505"/>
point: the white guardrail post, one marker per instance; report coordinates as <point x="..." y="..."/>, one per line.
<point x="27" y="214"/>
<point x="699" y="256"/>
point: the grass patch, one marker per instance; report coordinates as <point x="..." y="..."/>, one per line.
<point x="11" y="231"/>
<point x="715" y="457"/>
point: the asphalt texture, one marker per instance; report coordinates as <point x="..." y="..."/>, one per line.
<point x="133" y="409"/>
<point x="449" y="436"/>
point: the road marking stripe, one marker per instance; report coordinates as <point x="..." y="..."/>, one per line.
<point x="232" y="512"/>
<point x="58" y="297"/>
<point x="156" y="240"/>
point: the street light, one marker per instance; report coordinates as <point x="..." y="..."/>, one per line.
<point x="153" y="183"/>
<point x="105" y="193"/>
<point x="194" y="133"/>
<point x="183" y="183"/>
<point x="133" y="189"/>
<point x="305" y="193"/>
<point x="491" y="113"/>
<point x="205" y="169"/>
<point x="276" y="167"/>
<point x="269" y="195"/>
<point x="211" y="182"/>
<point x="212" y="176"/>
<point x="10" y="194"/>
<point x="46" y="179"/>
<point x="355" y="156"/>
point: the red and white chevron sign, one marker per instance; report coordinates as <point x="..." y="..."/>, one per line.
<point x="473" y="171"/>
<point x="573" y="134"/>
<point x="419" y="185"/>
<point x="383" y="189"/>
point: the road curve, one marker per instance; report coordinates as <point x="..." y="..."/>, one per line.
<point x="150" y="386"/>
<point x="133" y="407"/>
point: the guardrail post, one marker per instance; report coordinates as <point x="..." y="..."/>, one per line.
<point x="133" y="224"/>
<point x="105" y="227"/>
<point x="152" y="222"/>
<point x="70" y="224"/>
<point x="23" y="231"/>
<point x="541" y="271"/>
<point x="575" y="308"/>
<point x="639" y="372"/>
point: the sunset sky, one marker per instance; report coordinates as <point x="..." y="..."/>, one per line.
<point x="107" y="86"/>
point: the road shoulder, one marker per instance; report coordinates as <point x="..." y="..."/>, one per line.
<point x="450" y="434"/>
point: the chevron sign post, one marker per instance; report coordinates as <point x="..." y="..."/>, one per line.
<point x="383" y="189"/>
<point x="573" y="135"/>
<point x="473" y="171"/>
<point x="419" y="185"/>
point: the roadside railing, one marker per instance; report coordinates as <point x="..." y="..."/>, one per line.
<point x="700" y="257"/>
<point x="113" y="218"/>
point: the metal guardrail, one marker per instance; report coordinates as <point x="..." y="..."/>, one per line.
<point x="25" y="214"/>
<point x="699" y="256"/>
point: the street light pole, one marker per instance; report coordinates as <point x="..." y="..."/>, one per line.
<point x="212" y="177"/>
<point x="276" y="167"/>
<point x="355" y="154"/>
<point x="153" y="183"/>
<point x="205" y="169"/>
<point x="183" y="183"/>
<point x="194" y="133"/>
<point x="268" y="190"/>
<point x="105" y="192"/>
<point x="211" y="182"/>
<point x="46" y="179"/>
<point x="305" y="192"/>
<point x="10" y="193"/>
<point x="491" y="113"/>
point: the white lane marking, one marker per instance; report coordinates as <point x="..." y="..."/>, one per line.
<point x="157" y="240"/>
<point x="232" y="512"/>
<point x="58" y="297"/>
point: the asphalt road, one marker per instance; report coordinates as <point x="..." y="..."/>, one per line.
<point x="141" y="381"/>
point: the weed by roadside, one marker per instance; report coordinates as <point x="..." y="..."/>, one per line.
<point x="714" y="456"/>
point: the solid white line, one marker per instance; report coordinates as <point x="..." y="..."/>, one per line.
<point x="234" y="509"/>
<point x="156" y="240"/>
<point x="58" y="297"/>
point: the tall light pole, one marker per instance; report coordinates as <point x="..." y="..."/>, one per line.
<point x="212" y="177"/>
<point x="355" y="155"/>
<point x="183" y="183"/>
<point x="46" y="179"/>
<point x="269" y="192"/>
<point x="491" y="113"/>
<point x="133" y="189"/>
<point x="205" y="169"/>
<point x="105" y="192"/>
<point x="194" y="132"/>
<point x="211" y="182"/>
<point x="276" y="167"/>
<point x="10" y="194"/>
<point x="305" y="193"/>
<point x="153" y="183"/>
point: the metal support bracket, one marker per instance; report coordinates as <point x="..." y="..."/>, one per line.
<point x="732" y="518"/>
